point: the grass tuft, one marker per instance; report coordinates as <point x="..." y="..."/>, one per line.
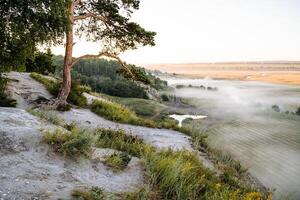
<point x="117" y="161"/>
<point x="94" y="193"/>
<point x="48" y="116"/>
<point x="117" y="139"/>
<point x="70" y="144"/>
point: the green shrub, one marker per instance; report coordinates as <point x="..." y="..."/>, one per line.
<point x="64" y="107"/>
<point x="165" y="97"/>
<point x="117" y="161"/>
<point x="41" y="63"/>
<point x="117" y="139"/>
<point x="93" y="194"/>
<point x="5" y="100"/>
<point x="70" y="144"/>
<point x="298" y="111"/>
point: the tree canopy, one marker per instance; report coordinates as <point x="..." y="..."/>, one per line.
<point x="25" y="24"/>
<point x="108" y="23"/>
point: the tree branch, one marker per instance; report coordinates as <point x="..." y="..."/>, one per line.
<point x="88" y="15"/>
<point x="76" y="2"/>
<point x="106" y="54"/>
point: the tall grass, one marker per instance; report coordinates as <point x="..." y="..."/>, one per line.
<point x="180" y="175"/>
<point x="118" y="113"/>
<point x="71" y="144"/>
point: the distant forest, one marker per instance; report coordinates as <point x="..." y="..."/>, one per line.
<point x="102" y="76"/>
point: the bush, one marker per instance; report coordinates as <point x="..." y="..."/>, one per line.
<point x="41" y="63"/>
<point x="298" y="111"/>
<point x="276" y="108"/>
<point x="117" y="162"/>
<point x="70" y="144"/>
<point x="165" y="97"/>
<point x="117" y="139"/>
<point x="5" y="101"/>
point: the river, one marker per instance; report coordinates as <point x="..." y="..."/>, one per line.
<point x="245" y="122"/>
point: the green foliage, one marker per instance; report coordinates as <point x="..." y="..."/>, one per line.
<point x="118" y="113"/>
<point x="70" y="144"/>
<point x="119" y="32"/>
<point x="101" y="75"/>
<point x="117" y="139"/>
<point x="64" y="107"/>
<point x="5" y="100"/>
<point x="141" y="194"/>
<point x="134" y="73"/>
<point x="142" y="107"/>
<point x="94" y="193"/>
<point x="25" y="24"/>
<point x="41" y="63"/>
<point x="165" y="97"/>
<point x="298" y="111"/>
<point x="117" y="161"/>
<point x="181" y="175"/>
<point x="53" y="86"/>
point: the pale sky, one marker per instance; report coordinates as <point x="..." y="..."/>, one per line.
<point x="214" y="31"/>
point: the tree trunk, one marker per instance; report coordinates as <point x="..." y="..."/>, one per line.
<point x="66" y="85"/>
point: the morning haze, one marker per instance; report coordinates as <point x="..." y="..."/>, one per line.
<point x="215" y="31"/>
<point x="173" y="99"/>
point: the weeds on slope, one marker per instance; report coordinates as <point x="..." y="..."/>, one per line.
<point x="117" y="161"/>
<point x="48" y="116"/>
<point x="181" y="175"/>
<point x="5" y="100"/>
<point x="71" y="144"/>
<point x="118" y="113"/>
<point x="117" y="139"/>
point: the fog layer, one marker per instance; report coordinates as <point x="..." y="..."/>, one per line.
<point x="264" y="139"/>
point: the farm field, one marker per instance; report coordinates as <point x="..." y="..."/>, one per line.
<point x="286" y="73"/>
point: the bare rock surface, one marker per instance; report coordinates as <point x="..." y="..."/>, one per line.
<point x="159" y="138"/>
<point x="29" y="170"/>
<point x="25" y="89"/>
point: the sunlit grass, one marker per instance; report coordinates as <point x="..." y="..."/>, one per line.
<point x="71" y="144"/>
